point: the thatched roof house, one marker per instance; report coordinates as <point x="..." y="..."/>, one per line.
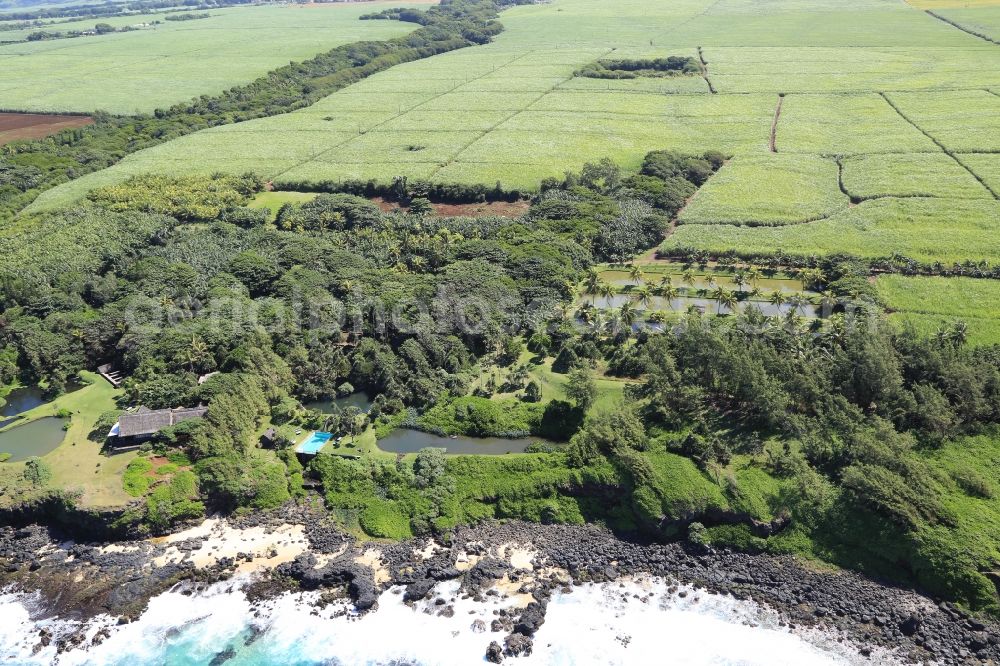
<point x="147" y="422"/>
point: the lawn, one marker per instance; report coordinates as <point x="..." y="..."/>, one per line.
<point x="77" y="464"/>
<point x="173" y="61"/>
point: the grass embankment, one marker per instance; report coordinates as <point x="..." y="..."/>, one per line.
<point x="77" y="465"/>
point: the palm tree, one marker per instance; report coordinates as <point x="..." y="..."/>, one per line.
<point x="642" y="296"/>
<point x="670" y="292"/>
<point x="778" y="298"/>
<point x="687" y="277"/>
<point x="597" y="322"/>
<point x="753" y="275"/>
<point x="613" y="324"/>
<point x="959" y="333"/>
<point x="197" y="352"/>
<point x="740" y="280"/>
<point x="827" y="301"/>
<point x="729" y="300"/>
<point x="711" y="281"/>
<point x="719" y="295"/>
<point x="593" y="281"/>
<point x="798" y="302"/>
<point x="666" y="281"/>
<point x="607" y="290"/>
<point x="811" y="278"/>
<point x="627" y="314"/>
<point x="635" y="273"/>
<point x="793" y="320"/>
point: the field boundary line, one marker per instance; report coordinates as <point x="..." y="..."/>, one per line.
<point x="774" y="123"/>
<point x="511" y="116"/>
<point x="840" y="180"/>
<point x="416" y="106"/>
<point x="968" y="31"/>
<point x="940" y="145"/>
<point x="704" y="71"/>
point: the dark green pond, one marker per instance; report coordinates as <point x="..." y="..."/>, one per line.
<point x="359" y="400"/>
<point x="21" y="400"/>
<point x="32" y="439"/>
<point x="411" y="441"/>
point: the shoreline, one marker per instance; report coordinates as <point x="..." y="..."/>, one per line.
<point x="298" y="549"/>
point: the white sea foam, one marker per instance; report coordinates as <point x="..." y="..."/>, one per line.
<point x="638" y="622"/>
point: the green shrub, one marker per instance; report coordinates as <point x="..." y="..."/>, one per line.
<point x="135" y="478"/>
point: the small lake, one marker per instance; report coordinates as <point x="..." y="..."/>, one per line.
<point x="411" y="441"/>
<point x="24" y="398"/>
<point x="359" y="400"/>
<point x="21" y="400"/>
<point x="33" y="439"/>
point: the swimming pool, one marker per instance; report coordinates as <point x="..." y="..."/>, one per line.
<point x="314" y="443"/>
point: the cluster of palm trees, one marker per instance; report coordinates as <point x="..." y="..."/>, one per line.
<point x="727" y="300"/>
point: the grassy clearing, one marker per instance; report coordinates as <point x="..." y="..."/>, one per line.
<point x="273" y="201"/>
<point x="928" y="230"/>
<point x="920" y="174"/>
<point x="77" y="464"/>
<point x="772" y="189"/>
<point x="930" y="303"/>
<point x="176" y="60"/>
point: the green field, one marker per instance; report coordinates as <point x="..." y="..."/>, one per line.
<point x="930" y="303"/>
<point x="512" y="111"/>
<point x="919" y="174"/>
<point x="161" y="65"/>
<point x="927" y="230"/>
<point x="800" y="188"/>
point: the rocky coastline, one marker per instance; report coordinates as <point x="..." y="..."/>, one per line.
<point x="298" y="548"/>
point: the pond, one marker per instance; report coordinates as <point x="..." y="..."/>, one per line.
<point x="359" y="400"/>
<point x="766" y="285"/>
<point x="32" y="439"/>
<point x="682" y="303"/>
<point x="21" y="400"/>
<point x="24" y="398"/>
<point x="411" y="441"/>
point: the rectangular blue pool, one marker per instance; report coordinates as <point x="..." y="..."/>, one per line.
<point x="315" y="442"/>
